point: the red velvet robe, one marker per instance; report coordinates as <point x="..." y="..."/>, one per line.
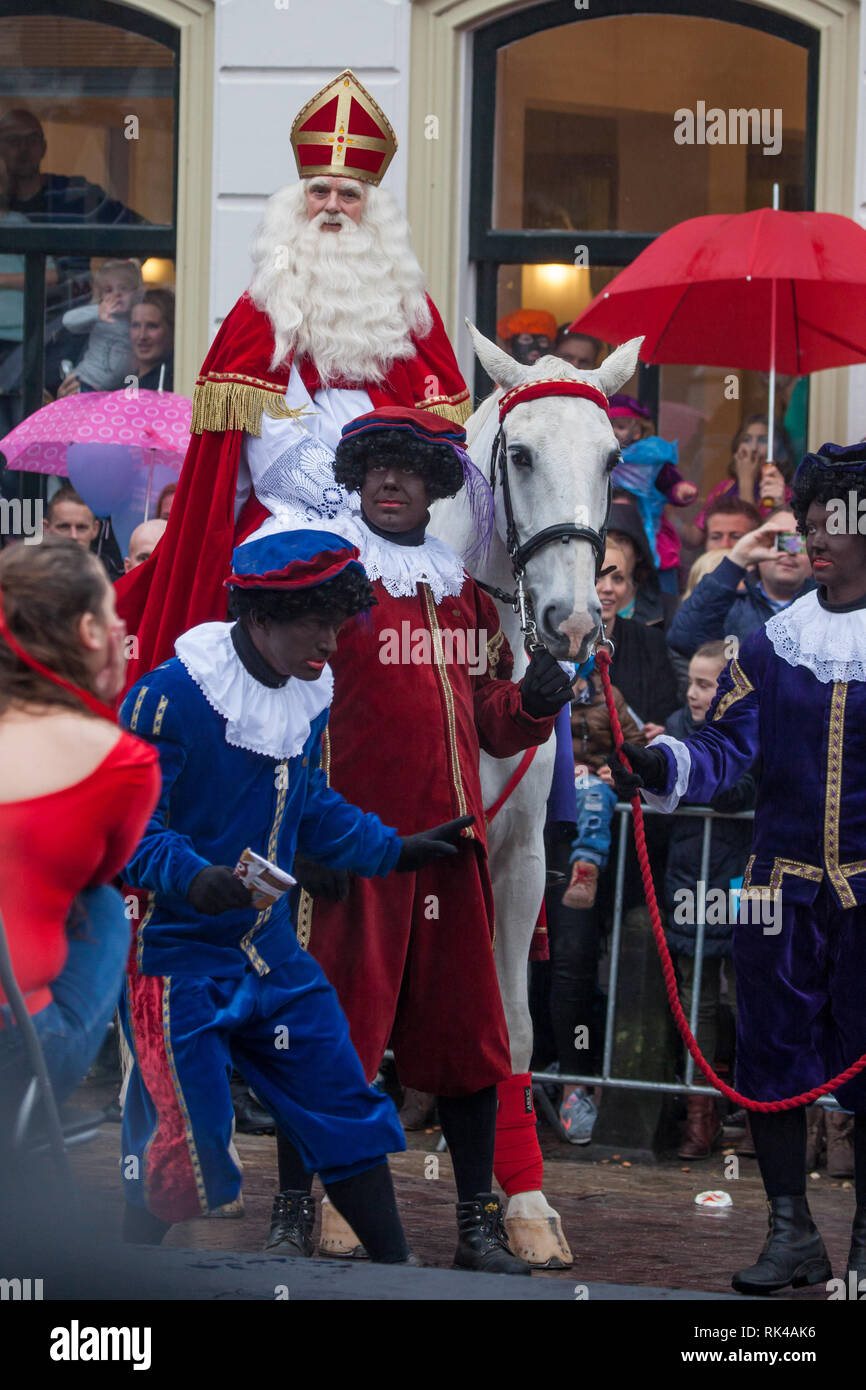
<point x="181" y="584"/>
<point x="403" y="741"/>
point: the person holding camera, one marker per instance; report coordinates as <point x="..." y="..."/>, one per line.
<point x="731" y="601"/>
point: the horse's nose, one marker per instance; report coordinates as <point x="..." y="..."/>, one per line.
<point x="567" y="632"/>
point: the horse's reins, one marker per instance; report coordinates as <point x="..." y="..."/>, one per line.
<point x="519" y="553"/>
<point x="522" y="605"/>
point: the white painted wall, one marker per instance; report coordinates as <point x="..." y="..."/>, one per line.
<point x="271" y="56"/>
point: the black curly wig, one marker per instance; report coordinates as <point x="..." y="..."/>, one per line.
<point x="817" y="480"/>
<point x="347" y="593"/>
<point x="437" y="463"/>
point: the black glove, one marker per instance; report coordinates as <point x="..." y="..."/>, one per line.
<point x="650" y="770"/>
<point x="215" y="889"/>
<point x="545" y="688"/>
<point x="320" y="881"/>
<point x="419" y="849"/>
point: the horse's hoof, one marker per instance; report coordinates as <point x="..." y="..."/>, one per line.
<point x="231" y="1211"/>
<point x="338" y="1240"/>
<point x="539" y="1240"/>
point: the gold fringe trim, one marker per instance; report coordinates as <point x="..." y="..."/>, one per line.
<point x="237" y="403"/>
<point x="458" y="412"/>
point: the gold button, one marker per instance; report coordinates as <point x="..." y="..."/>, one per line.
<point x="303" y="762"/>
<point x="456" y="612"/>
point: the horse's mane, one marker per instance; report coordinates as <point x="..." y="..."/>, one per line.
<point x="481" y="431"/>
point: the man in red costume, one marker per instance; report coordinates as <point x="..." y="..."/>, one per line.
<point x="413" y="964"/>
<point x="335" y="322"/>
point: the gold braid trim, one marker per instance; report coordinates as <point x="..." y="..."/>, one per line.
<point x="448" y="407"/>
<point x="494" y="652"/>
<point x="228" y="401"/>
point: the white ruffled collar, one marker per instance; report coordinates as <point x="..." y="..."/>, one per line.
<point x="830" y="645"/>
<point x="273" y="721"/>
<point x="401" y="568"/>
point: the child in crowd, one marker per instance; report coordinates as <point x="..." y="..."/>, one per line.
<point x="593" y="744"/>
<point x="729" y="851"/>
<point x="108" y="357"/>
<point x="648" y="471"/>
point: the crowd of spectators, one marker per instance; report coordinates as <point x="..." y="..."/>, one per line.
<point x="670" y="644"/>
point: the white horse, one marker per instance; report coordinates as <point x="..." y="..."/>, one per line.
<point x="559" y="451"/>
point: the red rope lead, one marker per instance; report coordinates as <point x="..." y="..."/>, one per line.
<point x="602" y="659"/>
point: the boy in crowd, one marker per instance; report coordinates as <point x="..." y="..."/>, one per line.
<point x="728" y="854"/>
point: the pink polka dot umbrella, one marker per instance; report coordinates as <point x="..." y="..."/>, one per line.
<point x="155" y="423"/>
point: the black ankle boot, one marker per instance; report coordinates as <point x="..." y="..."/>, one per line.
<point x="292" y="1221"/>
<point x="482" y="1242"/>
<point x="857" y="1254"/>
<point x="793" y="1253"/>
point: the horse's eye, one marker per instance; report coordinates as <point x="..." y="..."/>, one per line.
<point x="614" y="458"/>
<point x="520" y="457"/>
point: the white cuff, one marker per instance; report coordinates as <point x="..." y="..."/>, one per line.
<point x="684" y="771"/>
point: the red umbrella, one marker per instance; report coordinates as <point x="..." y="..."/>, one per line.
<point x="704" y="292"/>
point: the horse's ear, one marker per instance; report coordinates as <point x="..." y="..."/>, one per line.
<point x="501" y="368"/>
<point x="616" y="370"/>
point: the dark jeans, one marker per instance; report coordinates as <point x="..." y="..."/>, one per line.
<point x="564" y="992"/>
<point x="72" y="1027"/>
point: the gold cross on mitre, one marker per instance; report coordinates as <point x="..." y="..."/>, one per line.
<point x="341" y="130"/>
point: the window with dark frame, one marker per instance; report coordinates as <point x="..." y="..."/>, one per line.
<point x="570" y="162"/>
<point x="101" y="81"/>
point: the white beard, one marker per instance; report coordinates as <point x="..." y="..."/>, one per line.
<point x="348" y="300"/>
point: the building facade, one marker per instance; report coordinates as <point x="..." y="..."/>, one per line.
<point x="538" y="146"/>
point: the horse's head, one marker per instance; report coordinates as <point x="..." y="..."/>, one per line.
<point x="559" y="453"/>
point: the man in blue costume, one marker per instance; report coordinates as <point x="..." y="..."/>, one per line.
<point x="795" y="696"/>
<point x="238" y="717"/>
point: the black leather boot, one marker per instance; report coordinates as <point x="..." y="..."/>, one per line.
<point x="793" y="1253"/>
<point x="292" y="1221"/>
<point x="857" y="1253"/>
<point x="482" y="1242"/>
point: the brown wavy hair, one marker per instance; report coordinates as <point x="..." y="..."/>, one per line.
<point x="45" y="590"/>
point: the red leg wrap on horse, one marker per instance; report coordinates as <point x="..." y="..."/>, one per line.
<point x="517" y="1163"/>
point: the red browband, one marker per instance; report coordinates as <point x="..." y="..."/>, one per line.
<point x="547" y="386"/>
<point x="92" y="703"/>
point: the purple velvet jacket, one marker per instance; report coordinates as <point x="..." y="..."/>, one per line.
<point x="810" y="815"/>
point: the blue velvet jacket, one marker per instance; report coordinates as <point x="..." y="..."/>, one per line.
<point x="217" y="800"/>
<point x="810" y="814"/>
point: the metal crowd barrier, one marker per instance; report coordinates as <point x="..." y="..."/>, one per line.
<point x="686" y="1087"/>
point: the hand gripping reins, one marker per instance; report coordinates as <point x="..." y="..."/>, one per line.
<point x="602" y="660"/>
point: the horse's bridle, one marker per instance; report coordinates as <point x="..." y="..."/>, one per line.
<point x="520" y="553"/>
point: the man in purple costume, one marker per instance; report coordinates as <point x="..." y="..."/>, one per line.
<point x="795" y="696"/>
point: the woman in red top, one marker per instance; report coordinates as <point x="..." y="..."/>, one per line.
<point x="76" y="794"/>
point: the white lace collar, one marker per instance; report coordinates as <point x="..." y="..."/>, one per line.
<point x="830" y="645"/>
<point x="401" y="568"/>
<point x="275" y="722"/>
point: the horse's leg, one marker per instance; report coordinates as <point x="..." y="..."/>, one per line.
<point x="534" y="1228"/>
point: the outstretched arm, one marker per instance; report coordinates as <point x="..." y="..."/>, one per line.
<point x="670" y="770"/>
